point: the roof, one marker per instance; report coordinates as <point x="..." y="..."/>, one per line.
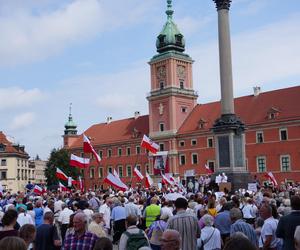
<point x="252" y="110"/>
<point x="116" y="131"/>
<point x="10" y="148"/>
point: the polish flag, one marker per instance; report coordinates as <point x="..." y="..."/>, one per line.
<point x="79" y="162"/>
<point x="148" y="144"/>
<point x="81" y="184"/>
<point x="62" y="187"/>
<point x="271" y="176"/>
<point x="61" y="175"/>
<point x="208" y="170"/>
<point x="138" y="174"/>
<point x="88" y="148"/>
<point x="38" y="190"/>
<point x="149" y="181"/>
<point x="166" y="180"/>
<point x="114" y="181"/>
<point x="116" y="174"/>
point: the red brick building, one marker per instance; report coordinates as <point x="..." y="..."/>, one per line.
<point x="183" y="128"/>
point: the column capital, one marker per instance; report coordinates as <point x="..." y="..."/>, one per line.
<point x="222" y="4"/>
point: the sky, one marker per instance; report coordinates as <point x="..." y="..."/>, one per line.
<point x="95" y="53"/>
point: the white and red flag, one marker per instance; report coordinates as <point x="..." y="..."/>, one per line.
<point x="138" y="174"/>
<point x="79" y="162"/>
<point x="38" y="190"/>
<point x="166" y="180"/>
<point x="116" y="174"/>
<point x="208" y="170"/>
<point x="272" y="178"/>
<point x="61" y="175"/>
<point x="62" y="187"/>
<point x="149" y="181"/>
<point x="81" y="184"/>
<point x="150" y="145"/>
<point x="88" y="148"/>
<point x="116" y="182"/>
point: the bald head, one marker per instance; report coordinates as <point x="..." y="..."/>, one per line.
<point x="170" y="240"/>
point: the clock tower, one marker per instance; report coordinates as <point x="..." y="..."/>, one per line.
<point x="172" y="97"/>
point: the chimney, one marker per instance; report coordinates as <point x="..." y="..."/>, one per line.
<point x="256" y="91"/>
<point x="136" y="114"/>
<point x="108" y="119"/>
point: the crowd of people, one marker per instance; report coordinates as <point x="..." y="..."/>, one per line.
<point x="139" y="218"/>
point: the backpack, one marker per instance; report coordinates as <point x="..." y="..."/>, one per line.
<point x="136" y="240"/>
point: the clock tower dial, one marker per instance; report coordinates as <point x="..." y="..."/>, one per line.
<point x="161" y="72"/>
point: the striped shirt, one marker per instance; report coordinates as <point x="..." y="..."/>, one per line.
<point x="245" y="228"/>
<point x="84" y="242"/>
<point x="187" y="226"/>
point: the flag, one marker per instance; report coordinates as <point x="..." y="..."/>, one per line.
<point x="138" y="174"/>
<point x="149" y="181"/>
<point x="79" y="162"/>
<point x="208" y="170"/>
<point x="61" y="175"/>
<point x="161" y="162"/>
<point x="81" y="184"/>
<point x="271" y="176"/>
<point x="38" y="190"/>
<point x="116" y="174"/>
<point x="71" y="181"/>
<point x="114" y="181"/>
<point x="88" y="148"/>
<point x="166" y="180"/>
<point x="148" y="144"/>
<point x="62" y="187"/>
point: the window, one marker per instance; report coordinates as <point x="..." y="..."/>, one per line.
<point x="128" y="171"/>
<point x="161" y="147"/>
<point x="147" y="168"/>
<point x="138" y="150"/>
<point x="92" y="173"/>
<point x="25" y="174"/>
<point x="100" y="153"/>
<point x="161" y="85"/>
<point x="182" y="160"/>
<point x="22" y="174"/>
<point x="210" y="142"/>
<point x="181" y="84"/>
<point x="285" y="163"/>
<point x="261" y="164"/>
<point x="18" y="176"/>
<point x="283" y="134"/>
<point x="3" y="162"/>
<point x="100" y="172"/>
<point x="259" y="137"/>
<point x="2" y="147"/>
<point x="194" y="158"/>
<point x="119" y="151"/>
<point x="109" y="170"/>
<point x="120" y="168"/>
<point x="82" y="155"/>
<point x="18" y="162"/>
<point x="194" y="142"/>
<point x="211" y="165"/>
<point x="3" y="175"/>
<point x="181" y="143"/>
<point x="161" y="127"/>
<point x="183" y="109"/>
<point x="109" y="153"/>
<point x="128" y="151"/>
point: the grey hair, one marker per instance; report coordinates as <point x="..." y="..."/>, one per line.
<point x="235" y="214"/>
<point x="208" y="220"/>
<point x="82" y="216"/>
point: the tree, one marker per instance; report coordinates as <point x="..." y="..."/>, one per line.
<point x="59" y="158"/>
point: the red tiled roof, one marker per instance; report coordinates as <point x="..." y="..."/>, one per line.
<point x="10" y="148"/>
<point x="251" y="109"/>
<point x="115" y="131"/>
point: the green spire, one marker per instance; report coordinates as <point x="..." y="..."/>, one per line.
<point x="170" y="37"/>
<point x="70" y="126"/>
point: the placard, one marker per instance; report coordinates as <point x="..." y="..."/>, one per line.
<point x="252" y="187"/>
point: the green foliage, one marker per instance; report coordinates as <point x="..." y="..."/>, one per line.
<point x="59" y="158"/>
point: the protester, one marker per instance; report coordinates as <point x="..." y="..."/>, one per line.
<point x="118" y="217"/>
<point x="12" y="243"/>
<point x="28" y="234"/>
<point x="171" y="240"/>
<point x="155" y="231"/>
<point x="9" y="221"/>
<point x="223" y="221"/>
<point x="151" y="211"/>
<point x="96" y="225"/>
<point x="64" y="219"/>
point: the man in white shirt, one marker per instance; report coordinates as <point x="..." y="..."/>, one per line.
<point x="23" y="217"/>
<point x="105" y="212"/>
<point x="58" y="204"/>
<point x="64" y="219"/>
<point x="268" y="239"/>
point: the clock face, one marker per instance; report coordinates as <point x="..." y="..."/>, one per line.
<point x="161" y="72"/>
<point x="181" y="71"/>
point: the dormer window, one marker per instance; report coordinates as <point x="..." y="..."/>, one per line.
<point x="161" y="39"/>
<point x="181" y="84"/>
<point x="2" y="147"/>
<point x="202" y="123"/>
<point x="273" y="113"/>
<point x="178" y="39"/>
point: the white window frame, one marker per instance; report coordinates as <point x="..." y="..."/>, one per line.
<point x="207" y="141"/>
<point x="100" y="152"/>
<point x="192" y="158"/>
<point x="109" y="168"/>
<point x="3" y="162"/>
<point x="119" y="149"/>
<point x="263" y="138"/>
<point x="138" y="167"/>
<point x="99" y="174"/>
<point x="257" y="163"/>
<point x="127" y="167"/>
<point x="120" y="167"/>
<point x="287" y="136"/>
<point x="181" y="141"/>
<point x="183" y="109"/>
<point x="180" y="161"/>
<point x="281" y="165"/>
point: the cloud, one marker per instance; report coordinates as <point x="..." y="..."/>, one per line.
<point x="17" y="97"/>
<point x="28" y="37"/>
<point x="22" y="121"/>
<point x="189" y="25"/>
<point x="116" y="101"/>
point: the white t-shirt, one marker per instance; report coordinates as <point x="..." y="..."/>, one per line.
<point x="64" y="216"/>
<point x="249" y="211"/>
<point x="167" y="211"/>
<point x="105" y="210"/>
<point x="269" y="228"/>
<point x="24" y="218"/>
<point x="211" y="237"/>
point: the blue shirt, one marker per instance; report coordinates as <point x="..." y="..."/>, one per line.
<point x="223" y="222"/>
<point x="118" y="213"/>
<point x="245" y="228"/>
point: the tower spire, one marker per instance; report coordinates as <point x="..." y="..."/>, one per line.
<point x="70" y="126"/>
<point x="70" y="112"/>
<point x="169" y="10"/>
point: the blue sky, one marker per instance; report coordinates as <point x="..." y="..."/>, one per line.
<point x="94" y="53"/>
